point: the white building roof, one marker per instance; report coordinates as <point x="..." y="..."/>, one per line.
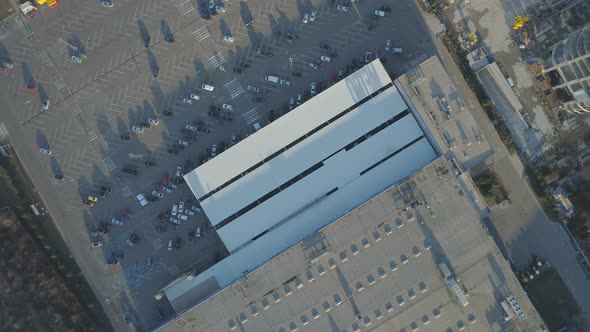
<point x="288" y="128"/>
<point x="349" y="155"/>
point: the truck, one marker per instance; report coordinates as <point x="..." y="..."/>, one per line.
<point x="270" y="78"/>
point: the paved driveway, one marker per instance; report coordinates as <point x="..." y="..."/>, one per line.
<point x="121" y="83"/>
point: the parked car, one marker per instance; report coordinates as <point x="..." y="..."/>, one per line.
<point x="257" y="99"/>
<point x="168" y="113"/>
<point x="313" y="89"/>
<point x="387" y="45"/>
<point x="342" y="8"/>
<point x="228" y="107"/>
<point x="158" y="194"/>
<point x="213" y="150"/>
<point x="325" y="58"/>
<point x="190" y="127"/>
<point x="291" y="103"/>
<point x="312" y="66"/>
<point x="45" y="151"/>
<point x="297" y="74"/>
<point x="170" y="245"/>
<point x="379" y="13"/>
<point x="126" y="137"/>
<point x="116" y="221"/>
<point x="253" y="88"/>
<point x="128" y="170"/>
<point x="228" y="39"/>
<point x="313" y="15"/>
<point x="306" y="18"/>
<point x="137" y="129"/>
<point x="96" y="244"/>
<point x="178" y="171"/>
<point x="45" y="104"/>
<point x="237" y="70"/>
<point x="106" y="3"/>
<point x="325" y="46"/>
<point x="220" y="8"/>
<point x="198" y="231"/>
<point x="150" y="163"/>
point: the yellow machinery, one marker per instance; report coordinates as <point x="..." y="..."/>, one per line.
<point x="519" y="22"/>
<point x="49" y="3"/>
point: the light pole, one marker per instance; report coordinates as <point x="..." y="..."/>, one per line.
<point x="70" y="45"/>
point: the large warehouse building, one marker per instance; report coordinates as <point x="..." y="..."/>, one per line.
<point x="295" y="202"/>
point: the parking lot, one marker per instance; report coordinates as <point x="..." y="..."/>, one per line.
<point x="133" y="115"/>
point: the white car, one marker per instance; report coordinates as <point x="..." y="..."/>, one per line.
<point x="228" y="39"/>
<point x="213" y="150"/>
<point x="178" y="171"/>
<point x="169" y="245"/>
<point x="183" y="142"/>
<point x="313" y="89"/>
<point x="181" y="207"/>
<point x="312" y="17"/>
<point x="220" y="9"/>
<point x="195" y="208"/>
<point x="325" y="58"/>
<point x="174" y="209"/>
<point x="106" y="3"/>
<point x="96" y="244"/>
<point x="153" y="121"/>
<point x="76" y="59"/>
<point x="116" y="221"/>
<point x="379" y="13"/>
<point x="342" y="8"/>
<point x="187" y="100"/>
<point x="45" y="151"/>
<point x="46" y="104"/>
<point x="387" y="45"/>
<point x="195" y="97"/>
<point x="137" y="129"/>
<point x="306" y="18"/>
<point x="253" y="88"/>
<point x="228" y="107"/>
<point x="190" y="127"/>
<point x="7" y="64"/>
<point x="198" y="231"/>
<point x="157" y="194"/>
<point x="313" y="66"/>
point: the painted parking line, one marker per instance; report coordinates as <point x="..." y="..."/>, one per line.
<point x="234" y="88"/>
<point x="109" y="164"/>
<point x="92" y="135"/>
<point x="185" y="7"/>
<point x="251" y="116"/>
<point x="125" y="192"/>
<point x="157" y="244"/>
<point x="173" y="269"/>
<point x="217" y="60"/>
<point x="201" y="34"/>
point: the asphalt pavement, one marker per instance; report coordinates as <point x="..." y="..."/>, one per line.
<point x="121" y="83"/>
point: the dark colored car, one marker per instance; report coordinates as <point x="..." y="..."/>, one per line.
<point x="250" y="22"/>
<point x="266" y="53"/>
<point x="149" y="163"/>
<point x="332" y="54"/>
<point x="106" y="189"/>
<point x="152" y="198"/>
<point x="237" y="70"/>
<point x="104" y="227"/>
<point x="112" y="261"/>
<point x="325" y="46"/>
<point x="126" y="137"/>
<point x="297" y="74"/>
<point x="226" y="117"/>
<point x="191" y="235"/>
<point x="179" y="146"/>
<point x="168" y="113"/>
<point x="386" y="9"/>
<point x="145" y="125"/>
<point x="130" y="171"/>
<point x="204" y="12"/>
<point x="178" y="242"/>
<point x="187" y="163"/>
<point x="203" y="130"/>
<point x="169" y="38"/>
<point x="293" y="35"/>
<point x="213" y="114"/>
<point x="173" y="151"/>
<point x="244" y="65"/>
<point x="257" y="99"/>
<point x="88" y="202"/>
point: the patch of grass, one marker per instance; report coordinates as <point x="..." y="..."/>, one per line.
<point x="555" y="303"/>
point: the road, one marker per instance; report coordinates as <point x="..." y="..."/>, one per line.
<point x="122" y="83"/>
<point x="523" y="228"/>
